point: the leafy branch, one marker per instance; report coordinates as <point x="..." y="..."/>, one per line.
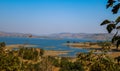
<point x="113" y="25"/>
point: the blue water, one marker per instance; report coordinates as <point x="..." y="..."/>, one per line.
<point x="47" y="44"/>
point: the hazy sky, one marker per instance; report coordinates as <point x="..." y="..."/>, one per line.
<point x="53" y="16"/>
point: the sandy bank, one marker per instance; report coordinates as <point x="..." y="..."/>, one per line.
<point x="82" y="45"/>
<point x="54" y="53"/>
<point x="10" y="47"/>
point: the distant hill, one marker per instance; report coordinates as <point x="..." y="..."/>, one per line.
<point x="100" y="36"/>
<point x="7" y="34"/>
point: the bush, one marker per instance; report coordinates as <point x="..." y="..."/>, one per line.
<point x="66" y="65"/>
<point x="2" y="44"/>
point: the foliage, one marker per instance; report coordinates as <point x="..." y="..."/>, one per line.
<point x="41" y="52"/>
<point x="46" y="64"/>
<point x="28" y="53"/>
<point x="2" y="44"/>
<point x="106" y="45"/>
<point x="22" y="59"/>
<point x="55" y="61"/>
<point x="66" y="65"/>
<point x="97" y="62"/>
<point x="27" y="59"/>
<point x="104" y="64"/>
<point x="32" y="67"/>
<point x="8" y="62"/>
<point x="115" y="4"/>
<point x="113" y="25"/>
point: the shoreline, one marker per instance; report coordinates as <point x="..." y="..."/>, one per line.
<point x="113" y="53"/>
<point x="46" y="52"/>
<point x="94" y="46"/>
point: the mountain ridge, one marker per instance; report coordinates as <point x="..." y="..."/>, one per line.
<point x="94" y="36"/>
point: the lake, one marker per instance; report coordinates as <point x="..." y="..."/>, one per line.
<point x="47" y="43"/>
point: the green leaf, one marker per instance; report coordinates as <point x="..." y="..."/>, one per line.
<point x="117" y="20"/>
<point x="110" y="3"/>
<point x="116" y="8"/>
<point x="115" y="37"/>
<point x="105" y="22"/>
<point x="110" y="27"/>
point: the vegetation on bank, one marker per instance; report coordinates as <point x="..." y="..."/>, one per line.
<point x="102" y="45"/>
<point x="33" y="59"/>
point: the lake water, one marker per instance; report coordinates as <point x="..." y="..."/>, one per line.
<point x="47" y="44"/>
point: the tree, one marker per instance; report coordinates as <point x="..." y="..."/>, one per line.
<point x="2" y="44"/>
<point x="113" y="25"/>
